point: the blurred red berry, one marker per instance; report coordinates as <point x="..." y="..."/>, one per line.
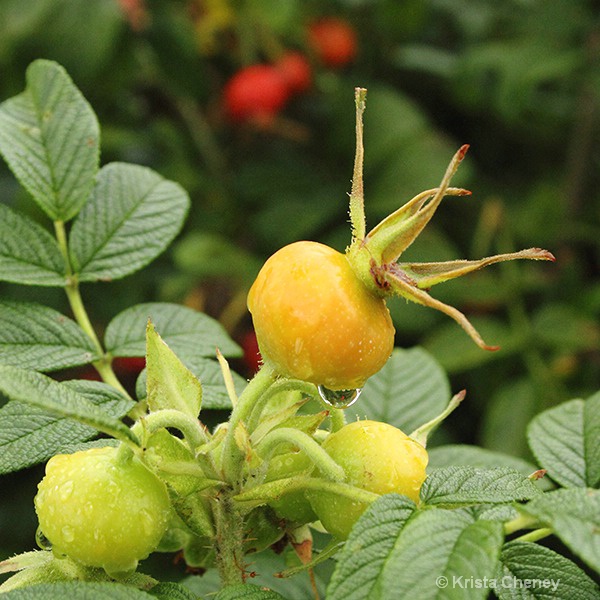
<point x="252" y="357"/>
<point x="333" y="41"/>
<point x="129" y="364"/>
<point x="255" y="93"/>
<point x="296" y="71"/>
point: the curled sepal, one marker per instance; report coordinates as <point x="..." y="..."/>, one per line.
<point x="426" y="275"/>
<point x="392" y="236"/>
<point x="400" y="283"/>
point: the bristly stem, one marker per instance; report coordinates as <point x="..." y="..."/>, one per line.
<point x="357" y="197"/>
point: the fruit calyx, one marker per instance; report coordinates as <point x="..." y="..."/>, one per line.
<point x="374" y="255"/>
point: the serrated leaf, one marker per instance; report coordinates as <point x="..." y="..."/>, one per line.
<point x="464" y="486"/>
<point x="78" y="590"/>
<point x="214" y="392"/>
<point x="420" y="551"/>
<point x="247" y="591"/>
<point x="410" y="390"/>
<point x="565" y="440"/>
<point x="170" y="384"/>
<point x="574" y="515"/>
<point x="172" y="591"/>
<point x="49" y="136"/>
<point x="372" y="539"/>
<point x="28" y="253"/>
<point x="552" y="575"/>
<point x="131" y="217"/>
<point x="42" y="392"/>
<point x="190" y="334"/>
<point x="30" y="435"/>
<point x="33" y="336"/>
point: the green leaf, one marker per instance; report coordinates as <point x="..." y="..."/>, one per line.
<point x="170" y="383"/>
<point x="33" y="336"/>
<point x="549" y="575"/>
<point x="78" y="590"/>
<point x="28" y="253"/>
<point x="566" y="442"/>
<point x="417" y="554"/>
<point x="410" y="390"/>
<point x="574" y="515"/>
<point x="372" y="539"/>
<point x="30" y="435"/>
<point x="247" y="591"/>
<point x="49" y="136"/>
<point x="38" y="390"/>
<point x="214" y="392"/>
<point x="132" y="216"/>
<point x="172" y="591"/>
<point x="190" y="334"/>
<point x="464" y="486"/>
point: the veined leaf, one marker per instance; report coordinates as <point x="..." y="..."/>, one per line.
<point x="410" y="390"/>
<point x="28" y="253"/>
<point x="47" y="394"/>
<point x="247" y="591"/>
<point x="574" y="515"/>
<point x="556" y="576"/>
<point x="49" y="136"/>
<point x="78" y="590"/>
<point x="131" y="217"/>
<point x="187" y="332"/>
<point x="464" y="486"/>
<point x="565" y="440"/>
<point x="415" y="554"/>
<point x="33" y="336"/>
<point x="30" y="435"/>
<point x="170" y="384"/>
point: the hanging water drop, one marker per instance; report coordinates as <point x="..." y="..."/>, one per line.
<point x="42" y="541"/>
<point x="339" y="398"/>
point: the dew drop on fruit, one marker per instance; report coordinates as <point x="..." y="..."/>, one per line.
<point x="67" y="533"/>
<point x="42" y="541"/>
<point x="66" y="490"/>
<point x="339" y="398"/>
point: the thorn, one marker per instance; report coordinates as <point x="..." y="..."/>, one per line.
<point x="537" y="474"/>
<point x="491" y="348"/>
<point x="465" y="193"/>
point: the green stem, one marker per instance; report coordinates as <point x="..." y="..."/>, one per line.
<point x="521" y="522"/>
<point x="535" y="535"/>
<point x="281" y="385"/>
<point x="102" y="365"/>
<point x="337" y="419"/>
<point x="161" y="419"/>
<point x="232" y="457"/>
<point x="288" y="435"/>
<point x="229" y="541"/>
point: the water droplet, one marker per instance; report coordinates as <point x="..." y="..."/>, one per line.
<point x="67" y="533"/>
<point x="339" y="398"/>
<point x="66" y="490"/>
<point x="42" y="541"/>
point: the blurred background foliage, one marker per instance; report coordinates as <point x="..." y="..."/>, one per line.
<point x="518" y="80"/>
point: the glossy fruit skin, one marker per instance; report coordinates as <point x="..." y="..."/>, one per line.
<point x="333" y="41"/>
<point x="255" y="93"/>
<point x="376" y="457"/>
<point x="296" y="71"/>
<point x="100" y="511"/>
<point x="316" y="321"/>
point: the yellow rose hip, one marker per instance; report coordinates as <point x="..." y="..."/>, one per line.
<point x="316" y="321"/>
